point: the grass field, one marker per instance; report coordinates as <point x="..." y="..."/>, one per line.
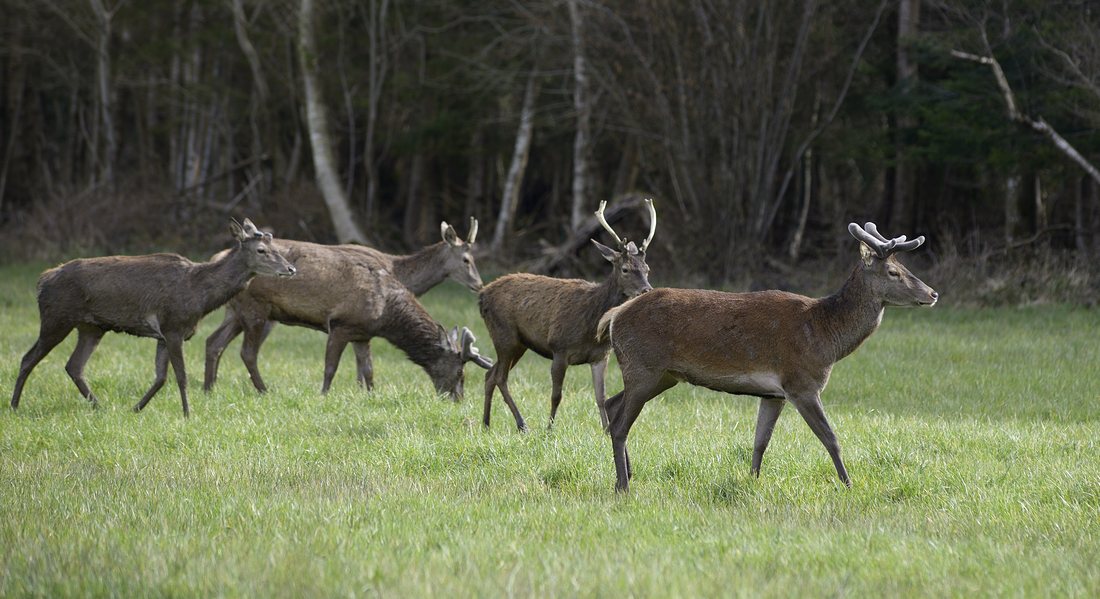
<point x="972" y="437"/>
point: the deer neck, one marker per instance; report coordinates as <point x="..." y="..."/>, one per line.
<point x="409" y="327"/>
<point x="611" y="293"/>
<point x="422" y="270"/>
<point x="849" y="316"/>
<point x="219" y="280"/>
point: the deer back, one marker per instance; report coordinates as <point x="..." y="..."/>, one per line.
<point x="546" y="312"/>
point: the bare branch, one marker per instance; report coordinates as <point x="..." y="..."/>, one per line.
<point x="1039" y="125"/>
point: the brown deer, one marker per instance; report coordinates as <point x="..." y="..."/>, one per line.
<point x="770" y="344"/>
<point x="161" y="296"/>
<point x="556" y="318"/>
<point x="353" y="297"/>
<point x="450" y="258"/>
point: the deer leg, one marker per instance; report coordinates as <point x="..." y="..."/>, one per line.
<point x="216" y="343"/>
<point x="814" y="415"/>
<point x="497" y="377"/>
<point x="48" y="338"/>
<point x="765" y="424"/>
<point x="599" y="372"/>
<point x="86" y="343"/>
<point x="363" y="364"/>
<point x="634" y="395"/>
<point x="254" y="334"/>
<point x="175" y="354"/>
<point x="334" y="348"/>
<point x="557" y="377"/>
<point x="502" y="382"/>
<point x="162" y="372"/>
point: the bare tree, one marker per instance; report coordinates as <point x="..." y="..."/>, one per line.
<point x="582" y="103"/>
<point x="520" y="153"/>
<point x="320" y="139"/>
<point x="1037" y="124"/>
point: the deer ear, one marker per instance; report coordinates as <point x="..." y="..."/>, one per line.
<point x="449" y="234"/>
<point x="609" y="254"/>
<point x="866" y="253"/>
<point x="236" y="230"/>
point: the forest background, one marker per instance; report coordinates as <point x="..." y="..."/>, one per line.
<point x="761" y="128"/>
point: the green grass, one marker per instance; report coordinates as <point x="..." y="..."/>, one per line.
<point x="971" y="436"/>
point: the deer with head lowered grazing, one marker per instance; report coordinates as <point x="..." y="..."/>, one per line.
<point x="353" y="297"/>
<point x="556" y="318"/>
<point x="774" y="345"/>
<point x="420" y="271"/>
<point x="161" y="296"/>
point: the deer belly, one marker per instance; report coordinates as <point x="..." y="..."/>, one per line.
<point x="760" y="384"/>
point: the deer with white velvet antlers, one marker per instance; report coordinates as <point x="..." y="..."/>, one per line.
<point x="162" y="296"/>
<point x="556" y="318"/>
<point x="452" y="258"/>
<point x="774" y="345"/>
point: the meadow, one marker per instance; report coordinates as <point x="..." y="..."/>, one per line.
<point x="972" y="437"/>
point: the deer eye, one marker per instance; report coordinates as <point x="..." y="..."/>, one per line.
<point x="261" y="250"/>
<point x="466" y="259"/>
<point x="893" y="273"/>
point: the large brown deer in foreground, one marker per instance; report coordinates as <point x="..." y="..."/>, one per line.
<point x="556" y="318"/>
<point x="161" y="296"/>
<point x="353" y="297"/>
<point x="450" y="258"/>
<point x="774" y="345"/>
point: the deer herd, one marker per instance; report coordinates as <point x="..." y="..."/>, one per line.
<point x="774" y="345"/>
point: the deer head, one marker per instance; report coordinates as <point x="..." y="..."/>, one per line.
<point x="459" y="262"/>
<point x="888" y="279"/>
<point x="259" y="255"/>
<point x="448" y="374"/>
<point x="629" y="261"/>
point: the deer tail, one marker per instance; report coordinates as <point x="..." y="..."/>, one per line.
<point x="604" y="328"/>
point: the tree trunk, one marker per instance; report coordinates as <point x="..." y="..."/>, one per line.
<point x="582" y="103"/>
<point x="328" y="180"/>
<point x="908" y="20"/>
<point x="105" y="91"/>
<point x="410" y="227"/>
<point x="258" y="118"/>
<point x="514" y="180"/>
<point x="1012" y="206"/>
<point x="377" y="69"/>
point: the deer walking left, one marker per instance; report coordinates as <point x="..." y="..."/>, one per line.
<point x="163" y="296"/>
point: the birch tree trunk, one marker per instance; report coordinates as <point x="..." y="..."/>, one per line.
<point x="328" y="180"/>
<point x="514" y="180"/>
<point x="583" y="106"/>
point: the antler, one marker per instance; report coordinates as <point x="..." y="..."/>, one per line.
<point x="652" y="223"/>
<point x="471" y="353"/>
<point x="472" y="235"/>
<point x="603" y="221"/>
<point x="883" y="247"/>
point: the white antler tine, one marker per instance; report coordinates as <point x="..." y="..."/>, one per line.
<point x="603" y="221"/>
<point x="652" y="223"/>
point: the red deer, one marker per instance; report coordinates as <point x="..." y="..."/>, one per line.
<point x="556" y="318"/>
<point x="770" y="344"/>
<point x="352" y="297"/>
<point x="450" y="258"/>
<point x="162" y="296"/>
